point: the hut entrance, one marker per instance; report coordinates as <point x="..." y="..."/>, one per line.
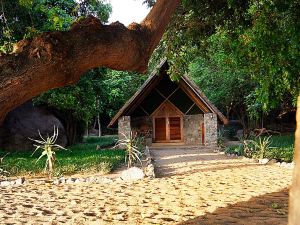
<point x="167" y="123"/>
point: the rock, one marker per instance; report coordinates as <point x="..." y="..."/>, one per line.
<point x="70" y="180"/>
<point x="62" y="180"/>
<point x="132" y="174"/>
<point x="149" y="171"/>
<point x="77" y="181"/>
<point x="263" y="161"/>
<point x="283" y="164"/>
<point x="24" y="122"/>
<point x="5" y="183"/>
<point x="272" y="161"/>
<point x="20" y="181"/>
<point x="120" y="217"/>
<point x="106" y="180"/>
<point x="90" y="179"/>
<point x="290" y="165"/>
<point x="56" y="182"/>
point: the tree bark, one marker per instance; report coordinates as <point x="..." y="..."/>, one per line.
<point x="57" y="59"/>
<point x="294" y="201"/>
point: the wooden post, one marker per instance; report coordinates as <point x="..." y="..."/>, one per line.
<point x="294" y="201"/>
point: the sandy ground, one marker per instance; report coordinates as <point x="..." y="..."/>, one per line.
<point x="195" y="187"/>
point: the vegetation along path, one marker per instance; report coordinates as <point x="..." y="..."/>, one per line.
<point x="195" y="187"/>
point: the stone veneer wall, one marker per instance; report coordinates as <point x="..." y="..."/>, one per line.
<point x="143" y="126"/>
<point x="124" y="127"/>
<point x="210" y="128"/>
<point x="192" y="129"/>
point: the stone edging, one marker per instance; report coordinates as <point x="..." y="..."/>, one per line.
<point x="149" y="170"/>
<point x="267" y="161"/>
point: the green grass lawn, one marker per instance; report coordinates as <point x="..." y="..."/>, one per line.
<point x="77" y="159"/>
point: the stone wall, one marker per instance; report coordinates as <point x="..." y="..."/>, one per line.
<point x="143" y="126"/>
<point x="210" y="128"/>
<point x="124" y="127"/>
<point x="192" y="129"/>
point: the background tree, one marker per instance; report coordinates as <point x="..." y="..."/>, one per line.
<point x="247" y="47"/>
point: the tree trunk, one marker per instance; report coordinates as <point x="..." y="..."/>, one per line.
<point x="71" y="129"/>
<point x="56" y="59"/>
<point x="294" y="201"/>
<point x="99" y="126"/>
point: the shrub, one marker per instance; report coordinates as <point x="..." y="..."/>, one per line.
<point x="221" y="139"/>
<point x="235" y="149"/>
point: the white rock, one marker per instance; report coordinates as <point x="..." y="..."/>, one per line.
<point x="77" y="181"/>
<point x="283" y="164"/>
<point x="56" y="182"/>
<point x="263" y="161"/>
<point x="62" y="180"/>
<point x="90" y="179"/>
<point x="70" y="180"/>
<point x="5" y="183"/>
<point x="290" y="165"/>
<point x="20" y="181"/>
<point x="133" y="173"/>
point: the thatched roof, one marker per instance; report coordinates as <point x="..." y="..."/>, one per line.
<point x="185" y="84"/>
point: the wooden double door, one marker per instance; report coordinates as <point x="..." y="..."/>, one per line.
<point x="167" y="122"/>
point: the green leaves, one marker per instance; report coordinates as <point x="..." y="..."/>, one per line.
<point x="238" y="52"/>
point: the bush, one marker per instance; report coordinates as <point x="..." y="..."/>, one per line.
<point x="235" y="149"/>
<point x="278" y="147"/>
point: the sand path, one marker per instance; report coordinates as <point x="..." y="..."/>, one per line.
<point x="194" y="188"/>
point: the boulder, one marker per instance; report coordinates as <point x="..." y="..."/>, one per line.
<point x="132" y="174"/>
<point x="263" y="161"/>
<point x="24" y="122"/>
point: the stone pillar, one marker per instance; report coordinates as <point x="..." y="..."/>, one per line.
<point x="210" y="129"/>
<point x="192" y="129"/>
<point x="124" y="127"/>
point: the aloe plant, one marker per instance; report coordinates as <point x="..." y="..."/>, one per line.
<point x="261" y="146"/>
<point x="49" y="147"/>
<point x="2" y="171"/>
<point x="132" y="144"/>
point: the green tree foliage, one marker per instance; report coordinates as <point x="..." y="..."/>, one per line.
<point x="26" y="18"/>
<point x="244" y="52"/>
<point x="117" y="87"/>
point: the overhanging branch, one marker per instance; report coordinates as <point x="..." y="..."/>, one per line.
<point x="56" y="59"/>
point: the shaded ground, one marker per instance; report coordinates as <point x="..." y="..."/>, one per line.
<point x="195" y="188"/>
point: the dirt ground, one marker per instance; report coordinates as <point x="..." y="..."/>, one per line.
<point x="195" y="186"/>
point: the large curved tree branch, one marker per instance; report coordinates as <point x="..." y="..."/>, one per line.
<point x="57" y="59"/>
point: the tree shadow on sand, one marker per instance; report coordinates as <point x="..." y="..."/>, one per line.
<point x="268" y="209"/>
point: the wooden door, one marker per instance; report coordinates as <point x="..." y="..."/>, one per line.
<point x="160" y="129"/>
<point x="175" y="128"/>
<point x="167" y="121"/>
